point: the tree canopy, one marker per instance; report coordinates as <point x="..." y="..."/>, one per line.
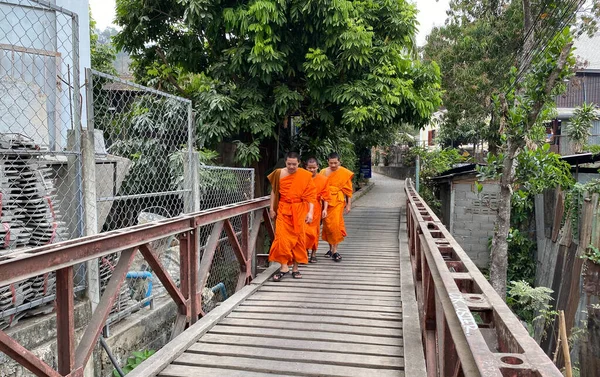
<point x="344" y="69"/>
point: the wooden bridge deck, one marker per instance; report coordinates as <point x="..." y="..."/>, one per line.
<point x="341" y="319"/>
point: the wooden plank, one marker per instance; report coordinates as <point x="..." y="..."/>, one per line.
<point x="306" y="334"/>
<point x="300" y="283"/>
<point x="195" y="371"/>
<point x="351" y="263"/>
<point x="320" y="312"/>
<point x="318" y="320"/>
<point x="340" y="274"/>
<point x="324" y="327"/>
<point x="305" y="356"/>
<point x="265" y="366"/>
<point x="359" y="300"/>
<point x="299" y="344"/>
<point x="358" y="280"/>
<point x="329" y="292"/>
<point x="166" y="355"/>
<point x="325" y="305"/>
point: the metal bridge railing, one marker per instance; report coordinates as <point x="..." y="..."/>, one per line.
<point x="196" y="257"/>
<point x="467" y="329"/>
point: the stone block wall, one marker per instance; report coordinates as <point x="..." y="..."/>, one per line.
<point x="473" y="219"/>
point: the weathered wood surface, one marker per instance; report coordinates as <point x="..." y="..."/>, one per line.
<point x="341" y="319"/>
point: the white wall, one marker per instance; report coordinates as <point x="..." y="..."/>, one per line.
<point x="36" y="53"/>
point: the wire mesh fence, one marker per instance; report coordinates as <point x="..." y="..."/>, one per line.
<point x="40" y="175"/>
<point x="143" y="151"/>
<point x="144" y="165"/>
<point x="218" y="186"/>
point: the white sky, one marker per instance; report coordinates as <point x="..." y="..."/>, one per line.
<point x="431" y="13"/>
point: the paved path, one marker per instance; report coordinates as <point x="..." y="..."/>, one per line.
<point x="341" y="319"/>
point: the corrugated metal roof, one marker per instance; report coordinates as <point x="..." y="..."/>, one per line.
<point x="587" y="49"/>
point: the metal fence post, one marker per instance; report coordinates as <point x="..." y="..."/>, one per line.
<point x="89" y="190"/>
<point x="190" y="171"/>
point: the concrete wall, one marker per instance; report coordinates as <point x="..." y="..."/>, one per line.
<point x="147" y="329"/>
<point x="395" y="171"/>
<point x="39" y="336"/>
<point x="473" y="218"/>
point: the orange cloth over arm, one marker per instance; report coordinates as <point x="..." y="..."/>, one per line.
<point x="339" y="183"/>
<point x="296" y="191"/>
<point x="313" y="229"/>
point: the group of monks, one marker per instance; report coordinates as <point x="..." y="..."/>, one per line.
<point x="300" y="199"/>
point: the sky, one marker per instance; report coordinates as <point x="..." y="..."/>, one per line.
<point x="431" y="13"/>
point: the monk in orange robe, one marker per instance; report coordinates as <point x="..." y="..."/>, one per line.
<point x="292" y="204"/>
<point x="339" y="182"/>
<point x="314" y="229"/>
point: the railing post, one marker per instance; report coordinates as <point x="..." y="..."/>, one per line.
<point x="65" y="322"/>
<point x="195" y="296"/>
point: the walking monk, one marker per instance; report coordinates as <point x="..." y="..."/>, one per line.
<point x="292" y="203"/>
<point x="339" y="182"/>
<point x="314" y="229"/>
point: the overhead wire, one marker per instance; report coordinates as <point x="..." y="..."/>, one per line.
<point x="547" y="36"/>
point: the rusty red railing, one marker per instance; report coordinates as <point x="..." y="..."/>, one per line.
<point x="467" y="329"/>
<point x="61" y="257"/>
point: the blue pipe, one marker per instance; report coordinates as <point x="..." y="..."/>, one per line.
<point x="220" y="287"/>
<point x="142" y="275"/>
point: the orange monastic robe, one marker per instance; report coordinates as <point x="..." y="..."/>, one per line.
<point x="339" y="183"/>
<point x="313" y="229"/>
<point x="296" y="191"/>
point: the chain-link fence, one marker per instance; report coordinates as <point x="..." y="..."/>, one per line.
<point x="40" y="175"/>
<point x="221" y="186"/>
<point x="143" y="151"/>
<point x="218" y="186"/>
<point x="145" y="172"/>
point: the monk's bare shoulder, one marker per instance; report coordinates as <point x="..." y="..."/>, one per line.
<point x="284" y="173"/>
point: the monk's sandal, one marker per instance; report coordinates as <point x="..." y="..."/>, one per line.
<point x="328" y="254"/>
<point x="279" y="275"/>
<point x="296" y="275"/>
<point x="336" y="257"/>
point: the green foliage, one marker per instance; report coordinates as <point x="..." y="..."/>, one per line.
<point x="592" y="254"/>
<point x="537" y="170"/>
<point x="343" y="67"/>
<point x="432" y="163"/>
<point x="177" y="162"/>
<point x="521" y="261"/>
<point x="530" y="304"/>
<point x="134" y="361"/>
<point x="574" y="202"/>
<point x="594" y="149"/>
<point x="475" y="52"/>
<point x="102" y="54"/>
<point x="148" y="133"/>
<point x="580" y="125"/>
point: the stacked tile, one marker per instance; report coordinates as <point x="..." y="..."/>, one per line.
<point x="27" y="218"/>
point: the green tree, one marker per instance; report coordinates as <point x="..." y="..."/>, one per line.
<point x="475" y="50"/>
<point x="504" y="62"/>
<point x="580" y="125"/>
<point x="102" y="54"/>
<point x="345" y="68"/>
